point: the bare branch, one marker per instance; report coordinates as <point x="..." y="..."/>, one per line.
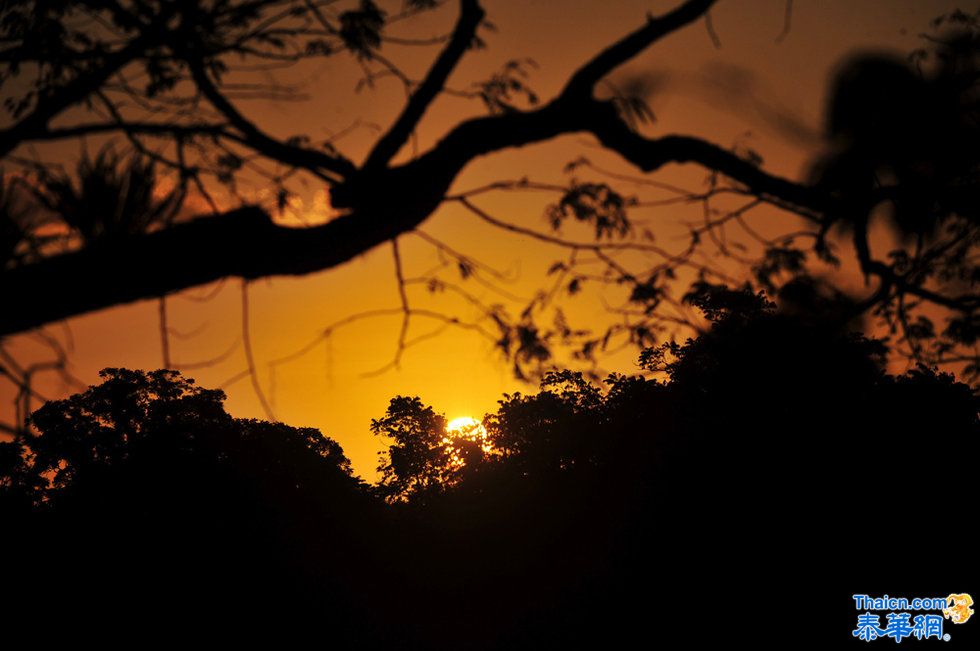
<point x="278" y="150"/>
<point x="585" y="79"/>
<point x="709" y="26"/>
<point x="568" y="244"/>
<point x="162" y="129"/>
<point x="403" y="297"/>
<point x="249" y="357"/>
<point x="164" y="331"/>
<point x="650" y="154"/>
<point x="74" y="91"/>
<point x="388" y="145"/>
<point x="327" y="332"/>
<point x="207" y="363"/>
<point x="787" y="22"/>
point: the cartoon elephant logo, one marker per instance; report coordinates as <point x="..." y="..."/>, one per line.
<point x="958" y="608"/>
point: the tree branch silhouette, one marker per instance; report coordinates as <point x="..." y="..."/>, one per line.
<point x="247" y="244"/>
<point x="34" y="125"/>
<point x="302" y="157"/>
<point x="470" y="15"/>
<point x="250" y="356"/>
<point x="376" y="201"/>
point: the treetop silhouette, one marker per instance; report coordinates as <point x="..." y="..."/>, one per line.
<point x="735" y="473"/>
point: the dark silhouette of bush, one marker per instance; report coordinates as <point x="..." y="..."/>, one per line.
<point x="776" y="467"/>
<point x="773" y="470"/>
<point x="163" y="510"/>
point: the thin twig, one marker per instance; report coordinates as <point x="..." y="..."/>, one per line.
<point x="403" y="297"/>
<point x="249" y="358"/>
<point x="164" y="332"/>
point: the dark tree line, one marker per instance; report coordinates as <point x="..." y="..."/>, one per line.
<point x="775" y="470"/>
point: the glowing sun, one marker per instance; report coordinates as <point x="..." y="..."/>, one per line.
<point x="468" y="429"/>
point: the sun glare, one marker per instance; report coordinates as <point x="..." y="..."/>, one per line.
<point x="469" y="429"/>
<point x="465" y="425"/>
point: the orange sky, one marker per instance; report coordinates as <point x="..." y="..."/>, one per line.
<point x="458" y="372"/>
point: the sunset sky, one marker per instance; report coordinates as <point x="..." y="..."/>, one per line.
<point x="730" y="94"/>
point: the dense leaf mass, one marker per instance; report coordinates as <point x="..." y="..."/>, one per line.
<point x="770" y="458"/>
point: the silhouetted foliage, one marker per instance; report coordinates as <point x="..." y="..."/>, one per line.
<point x="418" y="460"/>
<point x="113" y="198"/>
<point x="147" y="497"/>
<point x="758" y="473"/>
<point x="911" y="130"/>
<point x="771" y="458"/>
<point x="162" y="80"/>
<point x="903" y="140"/>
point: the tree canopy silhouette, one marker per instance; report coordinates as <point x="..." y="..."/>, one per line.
<point x="142" y="494"/>
<point x="418" y="460"/>
<point x="771" y="439"/>
<point x="771" y="453"/>
<point x="165" y="78"/>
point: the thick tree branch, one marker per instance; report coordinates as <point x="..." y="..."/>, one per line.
<point x="585" y="79"/>
<point x="245" y="243"/>
<point x="650" y="154"/>
<point x="388" y="145"/>
<point x="573" y="110"/>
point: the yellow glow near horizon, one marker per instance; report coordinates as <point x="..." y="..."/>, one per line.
<point x="470" y="429"/>
<point x="466" y="425"/>
<point x="333" y="388"/>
